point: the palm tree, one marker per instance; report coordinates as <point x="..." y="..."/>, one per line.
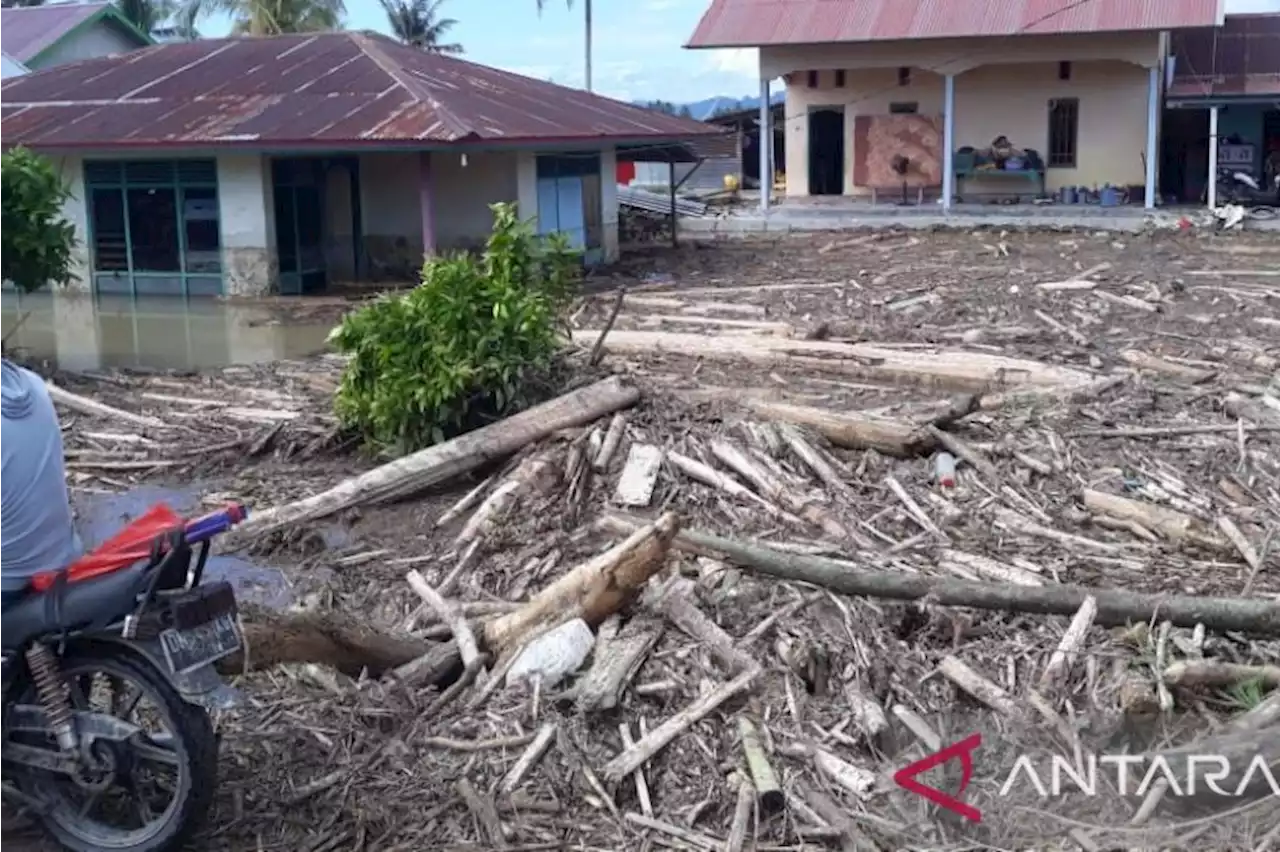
<point x="418" y="23"/>
<point x="267" y="17"/>
<point x="146" y="15"/>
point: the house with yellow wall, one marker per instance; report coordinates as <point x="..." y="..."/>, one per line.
<point x="882" y="94"/>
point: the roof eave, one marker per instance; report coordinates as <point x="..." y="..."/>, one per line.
<point x="694" y="45"/>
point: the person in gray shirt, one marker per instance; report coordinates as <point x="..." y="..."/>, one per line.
<point x="37" y="529"/>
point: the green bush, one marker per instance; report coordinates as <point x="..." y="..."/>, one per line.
<point x="463" y="347"/>
<point x="35" y="241"/>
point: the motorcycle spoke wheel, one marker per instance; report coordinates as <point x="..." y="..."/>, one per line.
<point x="143" y="794"/>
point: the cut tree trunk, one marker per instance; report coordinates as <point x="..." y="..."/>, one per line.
<point x="978" y="371"/>
<point x="1115" y="606"/>
<point x="591" y="591"/>
<point x="850" y="429"/>
<point x="1167" y="522"/>
<point x="335" y="639"/>
<point x="444" y="461"/>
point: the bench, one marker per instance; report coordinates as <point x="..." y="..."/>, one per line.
<point x="966" y="165"/>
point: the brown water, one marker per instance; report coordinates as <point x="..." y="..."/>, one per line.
<point x="83" y="333"/>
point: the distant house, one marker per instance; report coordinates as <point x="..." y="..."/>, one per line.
<point x="869" y="81"/>
<point x="249" y="166"/>
<point x="1224" y="87"/>
<point x="40" y="37"/>
<point x="12" y="67"/>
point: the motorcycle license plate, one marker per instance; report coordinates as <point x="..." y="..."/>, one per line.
<point x="189" y="649"/>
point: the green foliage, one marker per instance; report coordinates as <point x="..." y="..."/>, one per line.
<point x="36" y="240"/>
<point x="463" y="347"/>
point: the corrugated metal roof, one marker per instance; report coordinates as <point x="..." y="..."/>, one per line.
<point x="1239" y="59"/>
<point x="27" y="30"/>
<point x="758" y="23"/>
<point x="305" y="90"/>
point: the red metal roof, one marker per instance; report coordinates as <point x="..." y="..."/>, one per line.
<point x="1239" y="59"/>
<point x="330" y="89"/>
<point x="758" y="23"/>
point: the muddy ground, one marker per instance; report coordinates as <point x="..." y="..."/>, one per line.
<point x="321" y="762"/>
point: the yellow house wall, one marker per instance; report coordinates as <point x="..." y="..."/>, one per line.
<point x="1000" y="90"/>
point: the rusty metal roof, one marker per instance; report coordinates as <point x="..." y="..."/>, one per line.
<point x="759" y="23"/>
<point x="327" y="89"/>
<point x="28" y="31"/>
<point x="1239" y="59"/>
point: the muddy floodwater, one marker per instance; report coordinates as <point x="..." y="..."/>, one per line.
<point x="100" y="515"/>
<point x="77" y="332"/>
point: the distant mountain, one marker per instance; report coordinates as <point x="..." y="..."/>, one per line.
<point x="704" y="109"/>
<point x="707" y="107"/>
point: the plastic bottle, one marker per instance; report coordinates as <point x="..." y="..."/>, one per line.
<point x="944" y="470"/>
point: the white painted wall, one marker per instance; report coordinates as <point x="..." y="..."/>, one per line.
<point x="102" y="39"/>
<point x="461" y="194"/>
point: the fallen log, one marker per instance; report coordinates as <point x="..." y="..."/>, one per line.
<point x="1116" y="607"/>
<point x="84" y="405"/>
<point x="850" y="429"/>
<point x="444" y="461"/>
<point x="593" y="590"/>
<point x="977" y="371"/>
<point x="335" y="639"/>
<point x="1170" y="523"/>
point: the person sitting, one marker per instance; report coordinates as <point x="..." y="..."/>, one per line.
<point x="38" y="531"/>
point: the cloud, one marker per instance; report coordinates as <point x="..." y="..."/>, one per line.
<point x="744" y="61"/>
<point x="1244" y="7"/>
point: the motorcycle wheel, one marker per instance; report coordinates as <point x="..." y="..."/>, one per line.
<point x="74" y="811"/>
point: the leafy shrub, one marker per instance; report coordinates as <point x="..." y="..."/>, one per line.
<point x="35" y="241"/>
<point x="463" y="346"/>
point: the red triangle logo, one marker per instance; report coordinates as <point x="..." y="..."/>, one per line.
<point x="962" y="751"/>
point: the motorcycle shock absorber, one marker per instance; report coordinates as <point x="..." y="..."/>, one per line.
<point x="55" y="697"/>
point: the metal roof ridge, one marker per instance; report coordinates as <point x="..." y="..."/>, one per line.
<point x="459" y="128"/>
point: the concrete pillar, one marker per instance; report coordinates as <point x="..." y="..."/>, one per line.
<point x="766" y="146"/>
<point x="609" y="202"/>
<point x="948" y="140"/>
<point x="1213" y="158"/>
<point x="527" y="187"/>
<point x="1153" y="127"/>
<point x="426" y="203"/>
<point x="246" y="212"/>
<point x="76" y="211"/>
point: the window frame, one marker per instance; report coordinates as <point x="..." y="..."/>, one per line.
<point x="1063" y="156"/>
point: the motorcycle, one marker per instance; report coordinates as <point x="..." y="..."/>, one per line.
<point x="1236" y="187"/>
<point x="108" y="683"/>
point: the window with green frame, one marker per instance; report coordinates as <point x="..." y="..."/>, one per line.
<point x="154" y="227"/>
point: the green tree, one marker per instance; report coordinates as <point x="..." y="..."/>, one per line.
<point x="418" y="23"/>
<point x="470" y="344"/>
<point x="146" y="15"/>
<point x="266" y="17"/>
<point x="36" y="241"/>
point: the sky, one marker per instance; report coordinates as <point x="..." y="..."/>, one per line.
<point x="638" y="53"/>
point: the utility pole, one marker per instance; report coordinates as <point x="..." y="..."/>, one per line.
<point x="587" y="8"/>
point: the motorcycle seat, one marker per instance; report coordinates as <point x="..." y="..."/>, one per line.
<point x="106" y="597"/>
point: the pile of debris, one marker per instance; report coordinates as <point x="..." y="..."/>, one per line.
<point x="1042" y="507"/>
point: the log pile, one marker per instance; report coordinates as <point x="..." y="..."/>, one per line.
<point x="786" y="604"/>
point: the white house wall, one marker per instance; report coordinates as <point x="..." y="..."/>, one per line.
<point x="461" y="195"/>
<point x="1002" y="88"/>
